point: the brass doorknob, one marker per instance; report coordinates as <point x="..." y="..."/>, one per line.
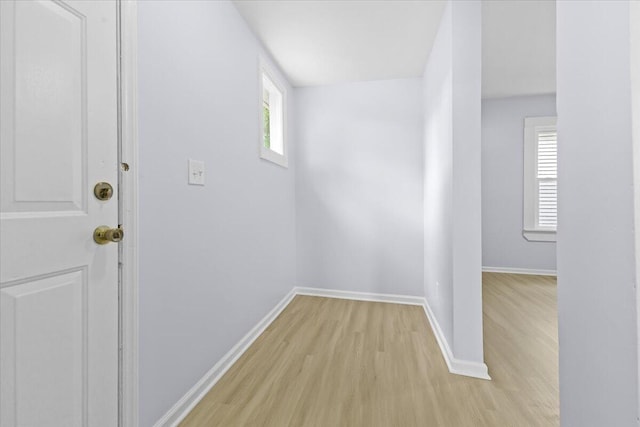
<point x="104" y="234"/>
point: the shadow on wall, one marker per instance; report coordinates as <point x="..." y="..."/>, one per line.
<point x="359" y="188"/>
<point x="351" y="239"/>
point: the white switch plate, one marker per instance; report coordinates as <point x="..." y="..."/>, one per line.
<point x="196" y="172"/>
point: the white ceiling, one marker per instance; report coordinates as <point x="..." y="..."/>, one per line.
<point x="319" y="42"/>
<point x="326" y="42"/>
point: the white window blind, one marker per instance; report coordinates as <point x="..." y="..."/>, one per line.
<point x="540" y="193"/>
<point x="547" y="177"/>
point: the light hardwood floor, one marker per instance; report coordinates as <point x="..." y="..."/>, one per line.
<point x="332" y="362"/>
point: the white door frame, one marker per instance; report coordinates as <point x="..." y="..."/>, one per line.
<point x="128" y="213"/>
<point x="634" y="16"/>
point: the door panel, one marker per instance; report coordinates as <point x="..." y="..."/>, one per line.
<point x="49" y="80"/>
<point x="58" y="288"/>
<point x="44" y="327"/>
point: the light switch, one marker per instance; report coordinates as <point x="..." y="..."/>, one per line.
<point x="196" y="172"/>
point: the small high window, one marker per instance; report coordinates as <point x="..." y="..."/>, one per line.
<point x="540" y="179"/>
<point x="272" y="118"/>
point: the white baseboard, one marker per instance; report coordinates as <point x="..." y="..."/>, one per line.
<point x="519" y="271"/>
<point x="360" y="296"/>
<point x="182" y="408"/>
<point x="455" y="366"/>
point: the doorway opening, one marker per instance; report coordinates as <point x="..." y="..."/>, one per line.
<point x="519" y="198"/>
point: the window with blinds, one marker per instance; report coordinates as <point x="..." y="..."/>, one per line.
<point x="540" y="179"/>
<point x="547" y="176"/>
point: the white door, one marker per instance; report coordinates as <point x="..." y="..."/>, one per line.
<point x="58" y="288"/>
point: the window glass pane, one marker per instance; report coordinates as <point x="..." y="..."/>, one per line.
<point x="266" y="120"/>
<point x="273" y="116"/>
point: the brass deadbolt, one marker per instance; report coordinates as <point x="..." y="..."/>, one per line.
<point x="104" y="234"/>
<point x="103" y="191"/>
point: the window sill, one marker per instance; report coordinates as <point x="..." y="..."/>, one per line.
<point x="539" y="235"/>
<point x="274" y="157"/>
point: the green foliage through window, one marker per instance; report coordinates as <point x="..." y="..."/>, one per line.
<point x="267" y="126"/>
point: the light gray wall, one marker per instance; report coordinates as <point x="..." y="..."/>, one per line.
<point x="213" y="260"/>
<point x="452" y="191"/>
<point x="596" y="256"/>
<point x="467" y="190"/>
<point x="359" y="186"/>
<point x="635" y="95"/>
<point x="503" y="245"/>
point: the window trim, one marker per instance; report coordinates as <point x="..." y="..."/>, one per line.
<point x="531" y="231"/>
<point x="266" y="153"/>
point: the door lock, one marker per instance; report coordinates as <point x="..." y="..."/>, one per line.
<point x="103" y="191"/>
<point x="104" y="234"/>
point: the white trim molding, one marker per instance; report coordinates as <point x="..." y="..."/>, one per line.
<point x="360" y="296"/>
<point x="182" y="408"/>
<point x="456" y="366"/>
<point x="128" y="214"/>
<point x="511" y="270"/>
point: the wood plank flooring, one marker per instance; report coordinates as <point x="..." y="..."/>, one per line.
<point x="332" y="362"/>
